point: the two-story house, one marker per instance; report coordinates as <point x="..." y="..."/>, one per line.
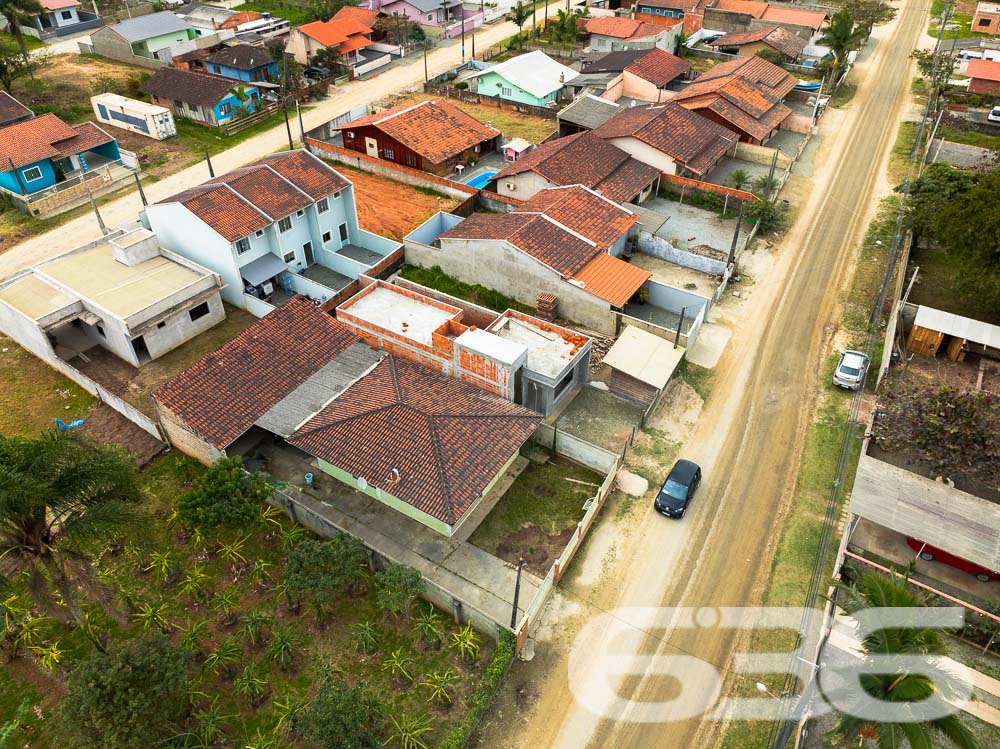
<point x="284" y="225"/>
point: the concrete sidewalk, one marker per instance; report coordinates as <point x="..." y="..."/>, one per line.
<point x="125" y="210"/>
<point x="483" y="583"/>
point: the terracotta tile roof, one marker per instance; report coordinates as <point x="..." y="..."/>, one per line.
<point x="752" y="7"/>
<point x="584" y="159"/>
<point x="337" y="32"/>
<point x="611" y="279"/>
<point x="437" y="130"/>
<point x="695" y="142"/>
<point x="984" y="70"/>
<point x="812" y="19"/>
<point x="583" y="211"/>
<point x="11" y="109"/>
<point x="222" y="395"/>
<point x="775" y="37"/>
<point x="353" y="13"/>
<point x="240" y="202"/>
<point x="659" y="67"/>
<point x="59" y="4"/>
<point x="660" y="22"/>
<point x="88" y="135"/>
<point x="243" y="16"/>
<point x="767" y="76"/>
<point x="750" y="108"/>
<point x="241" y="57"/>
<point x="447" y="439"/>
<point x="189" y="86"/>
<point x="33" y="140"/>
<point x="620" y="28"/>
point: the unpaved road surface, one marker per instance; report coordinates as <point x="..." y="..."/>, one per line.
<point x="748" y="440"/>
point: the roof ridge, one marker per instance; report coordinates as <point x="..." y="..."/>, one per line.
<point x="245" y="199"/>
<point x="446" y="502"/>
<point x="401" y="111"/>
<point x="282" y="177"/>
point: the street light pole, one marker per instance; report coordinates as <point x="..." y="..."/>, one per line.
<point x="517" y="594"/>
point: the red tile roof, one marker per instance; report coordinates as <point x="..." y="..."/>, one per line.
<point x="11" y="109"/>
<point x="437" y="130"/>
<point x="751" y="7"/>
<point x="984" y="70"/>
<point x="240" y="202"/>
<point x="583" y="211"/>
<point x="243" y="16"/>
<point x="812" y="19"/>
<point x="336" y="32"/>
<point x="430" y="440"/>
<point x="222" y="395"/>
<point x="694" y="142"/>
<point x="769" y="77"/>
<point x="659" y="67"/>
<point x="46" y="137"/>
<point x="611" y="279"/>
<point x="775" y="37"/>
<point x="620" y="28"/>
<point x="584" y="159"/>
<point x="353" y="13"/>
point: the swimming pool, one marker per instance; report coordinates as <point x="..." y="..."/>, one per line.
<point x="480" y="179"/>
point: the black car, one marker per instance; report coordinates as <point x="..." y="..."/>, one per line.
<point x="678" y="490"/>
<point x="316" y="73"/>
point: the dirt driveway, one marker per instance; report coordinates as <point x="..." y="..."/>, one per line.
<point x="748" y="441"/>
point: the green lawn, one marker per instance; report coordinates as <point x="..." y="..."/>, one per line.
<point x="131" y="586"/>
<point x="30" y="42"/>
<point x="435" y="278"/>
<point x="968" y="137"/>
<point x="295" y="13"/>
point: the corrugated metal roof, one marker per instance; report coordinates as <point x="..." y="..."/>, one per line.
<point x="644" y="356"/>
<point x="958" y="326"/>
<point x="146" y="27"/>
<point x="611" y="279"/>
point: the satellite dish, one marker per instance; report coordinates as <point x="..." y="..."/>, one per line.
<point x="362" y="483"/>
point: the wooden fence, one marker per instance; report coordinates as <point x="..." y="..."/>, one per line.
<point x="240" y="124"/>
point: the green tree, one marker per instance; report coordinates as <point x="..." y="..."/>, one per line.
<point x="868" y="13"/>
<point x="969" y="229"/>
<point x="15" y="65"/>
<point x="18" y="13"/>
<point x="224" y="495"/>
<point x="939" y="186"/>
<point x="934" y="64"/>
<point x="519" y="16"/>
<point x="873" y="590"/>
<point x="771" y="55"/>
<point x="316" y="571"/>
<point x="343" y="716"/>
<point x="327" y="57"/>
<point x="60" y="495"/>
<point x="397" y="587"/>
<point x="766" y="214"/>
<point x="128" y="697"/>
<point x="842" y="36"/>
<point x="739" y="179"/>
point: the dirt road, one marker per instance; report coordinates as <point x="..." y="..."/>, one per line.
<point x="748" y="440"/>
<point x="125" y="209"/>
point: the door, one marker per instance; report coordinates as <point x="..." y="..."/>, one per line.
<point x="343" y="234"/>
<point x="371" y="147"/>
<point x="140" y="349"/>
<point x="307" y="250"/>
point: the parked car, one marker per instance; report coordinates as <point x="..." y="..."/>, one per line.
<point x="934" y="554"/>
<point x="316" y="73"/>
<point x="994" y="115"/>
<point x="850" y="371"/>
<point x="678" y="490"/>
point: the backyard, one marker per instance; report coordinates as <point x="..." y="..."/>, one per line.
<point x="511" y="123"/>
<point x="389" y="208"/>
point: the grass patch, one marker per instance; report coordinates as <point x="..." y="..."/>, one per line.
<point x="844" y="93"/>
<point x="435" y="278"/>
<point x="699" y="378"/>
<point x="968" y="137"/>
<point x="651" y="455"/>
<point x="937" y="285"/>
<point x="548" y="496"/>
<point x="899" y="156"/>
<point x="295" y="13"/>
<point x="32" y="394"/>
<point x="8" y="40"/>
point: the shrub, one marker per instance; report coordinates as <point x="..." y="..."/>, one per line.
<point x="343" y="716"/>
<point x="769" y="216"/>
<point x="482" y="699"/>
<point x="316" y="571"/>
<point x="397" y="587"/>
<point x="127" y="697"/>
<point x="225" y="495"/>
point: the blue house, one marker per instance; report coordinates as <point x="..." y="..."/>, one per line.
<point x="204" y="98"/>
<point x="44" y="151"/>
<point x="243" y="62"/>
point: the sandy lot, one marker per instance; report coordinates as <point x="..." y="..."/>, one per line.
<point x="392" y="209"/>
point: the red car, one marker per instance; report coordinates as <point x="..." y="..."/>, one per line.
<point x="934" y="554"/>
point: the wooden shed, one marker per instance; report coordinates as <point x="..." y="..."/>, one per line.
<point x="933" y="329"/>
<point x="641" y="364"/>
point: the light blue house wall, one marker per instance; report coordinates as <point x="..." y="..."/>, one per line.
<point x="492" y="84"/>
<point x="263" y="72"/>
<point x="251" y="105"/>
<point x="9" y="180"/>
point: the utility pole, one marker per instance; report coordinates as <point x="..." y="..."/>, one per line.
<point x="736" y="236"/>
<point x="302" y="127"/>
<point x="426" y="79"/>
<point x="288" y="127"/>
<point x="770" y="176"/>
<point x="211" y="172"/>
<point x="517" y="594"/>
<point x="138" y="183"/>
<point x="100" y="221"/>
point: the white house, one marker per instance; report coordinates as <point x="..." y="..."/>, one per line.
<point x="534" y="78"/>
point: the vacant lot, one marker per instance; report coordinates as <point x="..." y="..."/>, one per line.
<point x="392" y="209"/>
<point x="512" y="124"/>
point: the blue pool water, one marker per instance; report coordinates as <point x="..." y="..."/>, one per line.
<point x="480" y="179"/>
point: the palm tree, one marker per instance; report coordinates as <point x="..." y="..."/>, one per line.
<point x="873" y="590"/>
<point x="60" y="494"/>
<point x="17" y="12"/>
<point x="842" y="36"/>
<point x="518" y="16"/>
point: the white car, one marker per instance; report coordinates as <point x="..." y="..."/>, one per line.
<point x="850" y="371"/>
<point x="994" y="115"/>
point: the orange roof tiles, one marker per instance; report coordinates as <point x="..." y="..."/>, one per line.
<point x="45" y="137"/>
<point x="430" y="440"/>
<point x="775" y="37"/>
<point x="659" y="67"/>
<point x="984" y="70"/>
<point x="353" y="13"/>
<point x="437" y="130"/>
<point x="590" y="215"/>
<point x="611" y="279"/>
<point x="337" y="32"/>
<point x="222" y="395"/>
<point x="751" y="7"/>
<point x="620" y="28"/>
<point x="812" y="19"/>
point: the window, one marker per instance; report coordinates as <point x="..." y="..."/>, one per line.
<point x="225" y="109"/>
<point x="389" y="153"/>
<point x="300" y="212"/>
<point x="411" y="160"/>
<point x="161" y="325"/>
<point x="178" y="104"/>
<point x="323" y="205"/>
<point x="343" y="232"/>
<point x="259" y="233"/>
<point x="32" y="173"/>
<point x="101" y="330"/>
<point x="327" y="236"/>
<point x="430" y="16"/>
<point x="285" y="224"/>
<point x="984" y="22"/>
<point x="216" y="69"/>
<point x="336" y="195"/>
<point x="504" y="91"/>
<point x="198" y="312"/>
<point x="290" y="257"/>
<point x="67" y="15"/>
<point x="242" y="245"/>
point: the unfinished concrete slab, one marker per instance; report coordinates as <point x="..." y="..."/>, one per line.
<point x="788" y="142"/>
<point x="710" y="344"/>
<point x="689" y="226"/>
<point x="678" y="276"/>
<point x="329" y="278"/>
<point x="403" y="313"/>
<point x="600" y="418"/>
<point x="723" y="172"/>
